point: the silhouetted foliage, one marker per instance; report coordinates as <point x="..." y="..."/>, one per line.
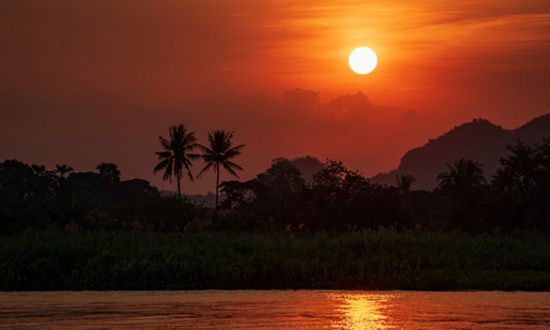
<point x="241" y="194"/>
<point x="464" y="182"/>
<point x="33" y="197"/>
<point x="341" y="200"/>
<point x="17" y="193"/>
<point x="524" y="183"/>
<point x="109" y="172"/>
<point x="336" y="193"/>
<point x="464" y="175"/>
<point x="176" y="155"/>
<point x="219" y="153"/>
<point x="283" y="182"/>
<point x="283" y="177"/>
<point x="404" y="183"/>
<point x="335" y="200"/>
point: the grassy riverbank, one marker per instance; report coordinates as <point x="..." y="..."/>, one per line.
<point x="150" y="261"/>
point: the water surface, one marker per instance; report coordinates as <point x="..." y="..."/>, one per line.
<point x="274" y="310"/>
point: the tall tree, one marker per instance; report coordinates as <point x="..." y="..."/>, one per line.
<point x="177" y="154"/>
<point x="61" y="173"/>
<point x="463" y="175"/>
<point x="525" y="172"/>
<point x="109" y="171"/>
<point x="219" y="153"/>
<point x="283" y="177"/>
<point x="279" y="193"/>
<point x="524" y="183"/>
<point x="404" y="182"/>
<point x="464" y="182"/>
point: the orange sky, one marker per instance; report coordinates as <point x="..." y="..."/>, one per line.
<point x="91" y="81"/>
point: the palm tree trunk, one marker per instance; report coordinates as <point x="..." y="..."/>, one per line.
<point x="179" y="189"/>
<point x="217" y="182"/>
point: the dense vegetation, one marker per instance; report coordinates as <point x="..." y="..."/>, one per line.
<point x="332" y="228"/>
<point x="335" y="200"/>
<point x="33" y="197"/>
<point x="339" y="200"/>
<point x="376" y="260"/>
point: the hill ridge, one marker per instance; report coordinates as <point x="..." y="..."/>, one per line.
<point x="479" y="140"/>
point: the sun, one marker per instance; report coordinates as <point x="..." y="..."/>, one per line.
<point x="362" y="60"/>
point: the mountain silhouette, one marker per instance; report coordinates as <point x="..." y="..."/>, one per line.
<point x="479" y="140"/>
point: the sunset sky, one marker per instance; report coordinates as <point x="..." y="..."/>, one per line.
<point x="90" y="81"/>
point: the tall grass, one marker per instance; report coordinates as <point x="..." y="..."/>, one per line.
<point x="378" y="260"/>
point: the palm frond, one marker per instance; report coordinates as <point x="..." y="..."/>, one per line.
<point x="233" y="152"/>
<point x="230" y="169"/>
<point x="237" y="148"/>
<point x="165" y="143"/>
<point x="233" y="165"/>
<point x="164" y="155"/>
<point x="162" y="165"/>
<point x="189" y="174"/>
<point x="204" y="148"/>
<point x="206" y="168"/>
<point x="168" y="173"/>
<point x="193" y="156"/>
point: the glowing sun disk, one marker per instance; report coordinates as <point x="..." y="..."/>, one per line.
<point x="362" y="60"/>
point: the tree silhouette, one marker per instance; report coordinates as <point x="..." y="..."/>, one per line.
<point x="404" y="182"/>
<point x="16" y="179"/>
<point x="109" y="172"/>
<point x="61" y="173"/>
<point x="283" y="177"/>
<point x="524" y="183"/>
<point x="176" y="154"/>
<point x="279" y="189"/>
<point x="61" y="170"/>
<point x="463" y="175"/>
<point x="39" y="170"/>
<point x="526" y="170"/>
<point x="219" y="153"/>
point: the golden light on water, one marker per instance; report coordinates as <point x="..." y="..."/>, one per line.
<point x="362" y="312"/>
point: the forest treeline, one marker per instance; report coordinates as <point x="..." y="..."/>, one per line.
<point x="335" y="199"/>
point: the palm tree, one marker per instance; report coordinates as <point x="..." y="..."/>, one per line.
<point x="176" y="154"/>
<point x="219" y="153"/>
<point x="463" y="175"/>
<point x="61" y="173"/>
<point x="404" y="182"/>
<point x="109" y="172"/>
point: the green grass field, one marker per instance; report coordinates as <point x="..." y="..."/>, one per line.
<point x="378" y="260"/>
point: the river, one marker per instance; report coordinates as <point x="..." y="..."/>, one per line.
<point x="300" y="310"/>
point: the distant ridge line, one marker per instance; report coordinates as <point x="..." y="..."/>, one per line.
<point x="479" y="140"/>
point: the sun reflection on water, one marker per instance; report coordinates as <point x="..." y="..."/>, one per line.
<point x="362" y="312"/>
